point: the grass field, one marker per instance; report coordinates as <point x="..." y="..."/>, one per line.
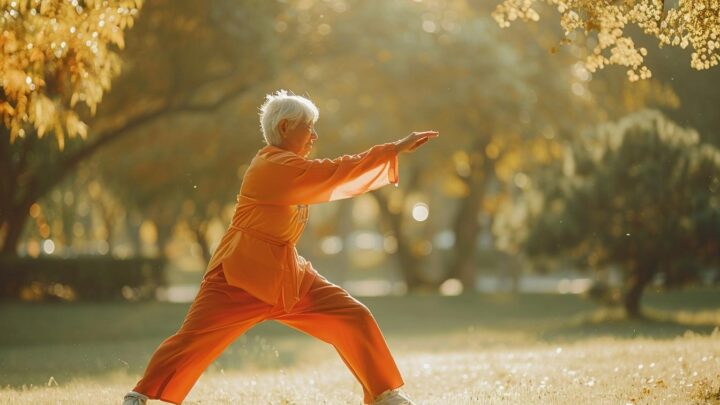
<point x="485" y="349"/>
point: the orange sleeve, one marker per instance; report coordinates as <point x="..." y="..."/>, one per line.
<point x="289" y="179"/>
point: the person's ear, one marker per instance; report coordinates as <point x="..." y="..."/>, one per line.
<point x="283" y="127"/>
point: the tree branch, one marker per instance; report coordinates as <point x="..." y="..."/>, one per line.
<point x="118" y="129"/>
<point x="163" y="109"/>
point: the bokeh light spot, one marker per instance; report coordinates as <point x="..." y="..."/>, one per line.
<point x="420" y="212"/>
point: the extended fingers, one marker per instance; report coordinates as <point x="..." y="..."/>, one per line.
<point x="416" y="139"/>
<point x="427" y="134"/>
<point x="418" y="143"/>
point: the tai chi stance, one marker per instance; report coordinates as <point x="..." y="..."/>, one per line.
<point x="256" y="273"/>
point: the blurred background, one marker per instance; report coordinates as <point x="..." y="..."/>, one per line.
<point x="548" y="178"/>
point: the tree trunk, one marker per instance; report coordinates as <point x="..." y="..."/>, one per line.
<point x="409" y="264"/>
<point x="108" y="214"/>
<point x="14" y="205"/>
<point x="466" y="226"/>
<point x="132" y="225"/>
<point x="466" y="231"/>
<point x="68" y="216"/>
<point x="164" y="234"/>
<point x="200" y="232"/>
<point x="343" y="228"/>
<point x="640" y="277"/>
<point x="14" y="224"/>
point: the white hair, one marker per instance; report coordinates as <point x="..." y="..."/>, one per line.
<point x="281" y="105"/>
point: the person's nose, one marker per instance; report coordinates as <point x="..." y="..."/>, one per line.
<point x="314" y="136"/>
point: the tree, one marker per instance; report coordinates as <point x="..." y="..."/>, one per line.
<point x="57" y="57"/>
<point x="179" y="60"/>
<point x="475" y="89"/>
<point x="79" y="210"/>
<point x="187" y="170"/>
<point x="209" y="55"/>
<point x="690" y="22"/>
<point x="643" y="194"/>
<point x="494" y="95"/>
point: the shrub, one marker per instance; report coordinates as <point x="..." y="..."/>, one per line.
<point x="92" y="278"/>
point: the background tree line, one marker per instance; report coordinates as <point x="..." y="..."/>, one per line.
<point x="168" y="142"/>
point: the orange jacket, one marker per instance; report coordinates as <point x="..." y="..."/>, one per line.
<point x="258" y="252"/>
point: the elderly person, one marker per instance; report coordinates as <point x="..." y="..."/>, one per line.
<point x="256" y="273"/>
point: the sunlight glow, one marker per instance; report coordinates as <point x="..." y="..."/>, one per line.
<point x="103" y="247"/>
<point x="576" y="286"/>
<point x="451" y="286"/>
<point x="331" y="245"/>
<point x="444" y="239"/>
<point x="420" y="212"/>
<point x="48" y="246"/>
<point x="368" y="241"/>
<point x="390" y="244"/>
<point x="521" y="180"/>
<point x="578" y="89"/>
<point x="35" y="210"/>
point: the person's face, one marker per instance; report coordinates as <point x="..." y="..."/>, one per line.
<point x="298" y="137"/>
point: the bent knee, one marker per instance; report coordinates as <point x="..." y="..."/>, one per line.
<point x="361" y="316"/>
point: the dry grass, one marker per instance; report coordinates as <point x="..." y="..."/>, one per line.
<point x="586" y="356"/>
<point x="683" y="370"/>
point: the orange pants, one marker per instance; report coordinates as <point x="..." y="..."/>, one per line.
<point x="221" y="313"/>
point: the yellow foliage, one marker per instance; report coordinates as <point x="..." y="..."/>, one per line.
<point x="491" y="204"/>
<point x="75" y="126"/>
<point x="492" y="150"/>
<point x="455" y="188"/>
<point x="635" y="96"/>
<point x="690" y="22"/>
<point x="67" y="43"/>
<point x="462" y="163"/>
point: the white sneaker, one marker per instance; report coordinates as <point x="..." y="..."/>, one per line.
<point x="134" y="398"/>
<point x="393" y="397"/>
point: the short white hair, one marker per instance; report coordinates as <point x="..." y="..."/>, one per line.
<point x="281" y="105"/>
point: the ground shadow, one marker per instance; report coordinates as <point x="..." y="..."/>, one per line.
<point x="613" y="323"/>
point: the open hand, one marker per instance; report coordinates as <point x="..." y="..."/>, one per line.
<point x="411" y="142"/>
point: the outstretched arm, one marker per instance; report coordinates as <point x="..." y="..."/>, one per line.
<point x="351" y="175"/>
<point x="320" y="180"/>
<point x="308" y="181"/>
